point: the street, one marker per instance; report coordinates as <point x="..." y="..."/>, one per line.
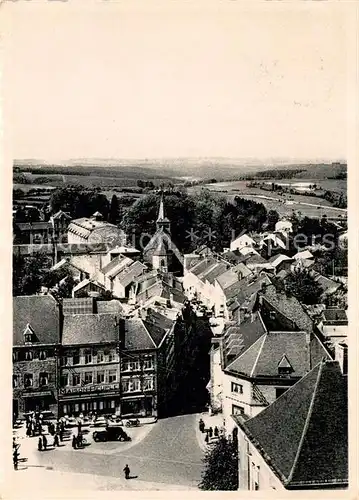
<point x="168" y="453"/>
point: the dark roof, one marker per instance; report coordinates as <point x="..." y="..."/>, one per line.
<point x="216" y="271"/>
<point x="288" y="306"/>
<point x="238" y="338"/>
<point x="262" y="357"/>
<point x="90" y="329"/>
<point x="41" y="313"/>
<point x="78" y="306"/>
<point x="156" y="331"/>
<point x="309" y="447"/>
<point x="137" y="337"/>
<point x="334" y="315"/>
<point x="130" y="273"/>
<point x="250" y="286"/>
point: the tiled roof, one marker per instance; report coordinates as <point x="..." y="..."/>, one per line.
<point x="109" y="307"/>
<point x="86" y="282"/>
<point x="334" y="315"/>
<point x="250" y="286"/>
<point x="34" y="226"/>
<point x="262" y="358"/>
<point x="238" y="338"/>
<point x="202" y="265"/>
<point x="213" y="273"/>
<point x="288" y="306"/>
<point x="78" y="306"/>
<point x="116" y="265"/>
<point x="309" y="447"/>
<point x="227" y="279"/>
<point x="41" y="312"/>
<point x="129" y="274"/>
<point x="90" y="329"/>
<point x="137" y="337"/>
<point x="276" y="259"/>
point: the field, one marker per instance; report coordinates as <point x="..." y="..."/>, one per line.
<point x="284" y="204"/>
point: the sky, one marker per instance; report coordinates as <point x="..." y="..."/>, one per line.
<point x="124" y="81"/>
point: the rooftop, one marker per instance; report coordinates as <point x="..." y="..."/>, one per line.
<point x="309" y="447"/>
<point x="41" y="313"/>
<point x="90" y="329"/>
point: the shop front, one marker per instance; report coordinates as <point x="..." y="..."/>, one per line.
<point x="37" y="402"/>
<point x="138" y="406"/>
<point x="103" y="400"/>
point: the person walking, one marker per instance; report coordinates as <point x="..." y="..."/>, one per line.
<point x="74" y="442"/>
<point x="216" y="432"/>
<point x="127" y="471"/>
<point x="15" y="458"/>
<point x="210" y="432"/>
<point x="61" y="434"/>
<point x="39" y="444"/>
<point x="56" y="440"/>
<point x="44" y="442"/>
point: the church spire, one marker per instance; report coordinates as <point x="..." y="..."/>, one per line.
<point x="162" y="222"/>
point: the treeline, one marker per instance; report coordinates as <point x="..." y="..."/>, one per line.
<point x="202" y="218"/>
<point x="275" y="174"/>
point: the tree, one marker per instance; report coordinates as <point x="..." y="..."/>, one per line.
<point x="27" y="274"/>
<point x="114" y="210"/>
<point x="303" y="286"/>
<point x="221" y="467"/>
<point x="272" y="219"/>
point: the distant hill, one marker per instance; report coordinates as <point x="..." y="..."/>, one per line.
<point x="182" y="168"/>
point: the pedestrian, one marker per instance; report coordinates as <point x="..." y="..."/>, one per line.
<point x="206" y="438"/>
<point x="74" y="442"/>
<point x="210" y="432"/>
<point x="216" y="431"/>
<point x="200" y="424"/>
<point x="56" y="440"/>
<point x="44" y="441"/>
<point x="127" y="471"/>
<point x="39" y="444"/>
<point x="28" y="430"/>
<point x="61" y="434"/>
<point x="79" y="439"/>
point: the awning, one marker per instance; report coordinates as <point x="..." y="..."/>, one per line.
<point x="39" y="394"/>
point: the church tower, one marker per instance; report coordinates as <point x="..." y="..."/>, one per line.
<point x="162" y="221"/>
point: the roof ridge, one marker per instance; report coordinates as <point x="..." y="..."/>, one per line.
<point x="259" y="353"/>
<point x="148" y="333"/>
<point x="244" y="352"/>
<point x="306" y="424"/>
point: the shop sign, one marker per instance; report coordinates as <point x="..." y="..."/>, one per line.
<point x="89" y="389"/>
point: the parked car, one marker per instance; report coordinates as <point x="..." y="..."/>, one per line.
<point x="71" y="422"/>
<point x="99" y="422"/>
<point x="111" y="434"/>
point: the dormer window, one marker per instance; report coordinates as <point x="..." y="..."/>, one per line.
<point x="272" y="315"/>
<point x="28" y="335"/>
<point x="284" y="366"/>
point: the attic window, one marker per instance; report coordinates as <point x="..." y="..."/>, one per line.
<point x="272" y="315"/>
<point x="284" y="366"/>
<point x="28" y="334"/>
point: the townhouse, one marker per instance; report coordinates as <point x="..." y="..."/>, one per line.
<point x="36" y="342"/>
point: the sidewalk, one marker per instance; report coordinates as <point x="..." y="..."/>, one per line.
<point x="209" y="421"/>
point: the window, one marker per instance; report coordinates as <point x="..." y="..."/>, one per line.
<point x="42" y="355"/>
<point x="100" y="377"/>
<point x="28" y="338"/>
<point x="43" y="379"/>
<point x="131" y="385"/>
<point x="111" y="357"/>
<point x="100" y="405"/>
<point x="88" y="357"/>
<point x="131" y="366"/>
<point x="76" y="358"/>
<point x="237" y="410"/>
<point x="148" y="363"/>
<point x="148" y="384"/>
<point x="76" y="380"/>
<point x="113" y="403"/>
<point x="238" y="388"/>
<point x="15" y="381"/>
<point x="28" y="380"/>
<point x="64" y="380"/>
<point x="100" y="357"/>
<point x="29" y="356"/>
<point x="88" y="378"/>
<point x="83" y="406"/>
<point x="94" y="405"/>
<point x="77" y="407"/>
<point x="15" y="356"/>
<point x="112" y="376"/>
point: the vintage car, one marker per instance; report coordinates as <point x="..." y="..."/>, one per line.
<point x="112" y="433"/>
